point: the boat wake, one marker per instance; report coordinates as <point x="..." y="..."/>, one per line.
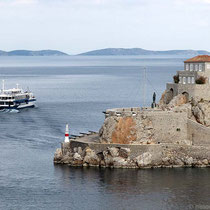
<point x="9" y="111"/>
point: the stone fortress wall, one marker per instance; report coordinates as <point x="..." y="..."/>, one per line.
<point x="164" y="126"/>
<point x="140" y="138"/>
<point x="144" y="126"/>
<point x="197" y="133"/>
<point x="196" y="91"/>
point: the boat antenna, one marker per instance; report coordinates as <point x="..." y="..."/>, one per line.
<point x="17" y="86"/>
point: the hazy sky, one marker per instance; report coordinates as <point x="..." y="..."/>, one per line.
<point x="75" y="26"/>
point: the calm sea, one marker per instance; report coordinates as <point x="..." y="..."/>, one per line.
<point x="76" y="90"/>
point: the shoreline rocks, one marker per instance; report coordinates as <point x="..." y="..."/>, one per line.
<point x="119" y="157"/>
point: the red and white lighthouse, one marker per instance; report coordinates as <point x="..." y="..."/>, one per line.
<point x="67" y="134"/>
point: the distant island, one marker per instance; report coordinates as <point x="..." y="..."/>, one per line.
<point x="32" y="53"/>
<point x="140" y="51"/>
<point x="105" y="52"/>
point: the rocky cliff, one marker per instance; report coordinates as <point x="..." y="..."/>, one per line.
<point x="176" y="134"/>
<point x="198" y="111"/>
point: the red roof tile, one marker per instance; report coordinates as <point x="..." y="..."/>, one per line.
<point x="199" y="58"/>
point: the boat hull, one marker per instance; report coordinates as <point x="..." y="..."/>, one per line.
<point x="29" y="105"/>
<point x="20" y="106"/>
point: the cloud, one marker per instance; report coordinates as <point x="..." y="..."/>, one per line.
<point x="23" y="2"/>
<point x="206" y="1"/>
<point x="17" y="2"/>
<point x="201" y="1"/>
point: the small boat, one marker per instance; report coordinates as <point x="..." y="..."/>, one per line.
<point x="16" y="98"/>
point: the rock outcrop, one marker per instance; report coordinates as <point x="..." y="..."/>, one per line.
<point x="111" y="157"/>
<point x="121" y="157"/>
<point x="197" y="110"/>
<point x="118" y="130"/>
<point x="127" y="130"/>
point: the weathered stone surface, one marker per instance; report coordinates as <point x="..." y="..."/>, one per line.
<point x="146" y="156"/>
<point x="91" y="158"/>
<point x="144" y="160"/>
<point x="108" y="159"/>
<point x="66" y="159"/>
<point x="119" y="162"/>
<point x="125" y="131"/>
<point x="165" y="98"/>
<point x="124" y="152"/>
<point x="79" y="150"/>
<point x="107" y="129"/>
<point x="58" y="155"/>
<point x="178" y="100"/>
<point x="77" y="156"/>
<point x="147" y="128"/>
<point x="113" y="151"/>
<point x="198" y="113"/>
<point x="205" y="162"/>
<point x="178" y="162"/>
<point x="189" y="161"/>
<point x="196" y="110"/>
<point x="201" y="112"/>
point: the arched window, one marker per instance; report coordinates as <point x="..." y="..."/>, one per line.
<point x="186" y="95"/>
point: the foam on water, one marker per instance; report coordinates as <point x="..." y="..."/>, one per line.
<point x="9" y="111"/>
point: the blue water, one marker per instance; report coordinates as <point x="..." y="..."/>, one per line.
<point x="76" y="90"/>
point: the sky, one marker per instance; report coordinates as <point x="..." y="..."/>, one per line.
<point x="76" y="26"/>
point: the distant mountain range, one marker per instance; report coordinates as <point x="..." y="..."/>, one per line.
<point x="106" y="52"/>
<point x="32" y="53"/>
<point x="140" y="51"/>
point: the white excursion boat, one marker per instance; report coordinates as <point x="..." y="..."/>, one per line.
<point x="16" y="98"/>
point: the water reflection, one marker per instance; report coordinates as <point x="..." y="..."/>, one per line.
<point x="151" y="188"/>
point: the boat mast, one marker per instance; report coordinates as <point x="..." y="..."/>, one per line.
<point x="3" y="86"/>
<point x="144" y="87"/>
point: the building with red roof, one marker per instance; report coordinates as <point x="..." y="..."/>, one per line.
<point x="193" y="82"/>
